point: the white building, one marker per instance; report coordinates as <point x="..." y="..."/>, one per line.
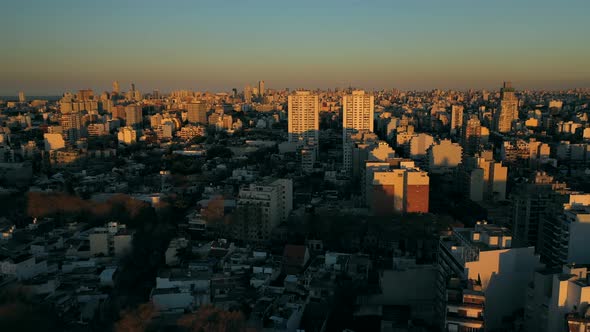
<point x="444" y="156"/>
<point x="304" y="123"/>
<point x="178" y="290"/>
<point x="127" y="135"/>
<point x="114" y="239"/>
<point x="54" y="141"/>
<point x="23" y="267"/>
<point x="553" y="295"/>
<point x="357" y="116"/>
<point x="565" y="235"/>
<point x="483" y="256"/>
<point x="488" y="176"/>
<point x="262" y="207"/>
<point x="419" y="144"/>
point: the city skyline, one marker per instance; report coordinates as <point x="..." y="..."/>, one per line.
<point x="212" y="46"/>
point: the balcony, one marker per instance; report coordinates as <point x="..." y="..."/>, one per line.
<point x="471" y="322"/>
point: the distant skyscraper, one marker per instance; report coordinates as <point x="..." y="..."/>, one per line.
<point x="132" y="86"/>
<point x="471" y="135"/>
<point x="134" y="116"/>
<point x="508" y="111"/>
<point x="357" y="116"/>
<point x="197" y="113"/>
<point x="456" y="119"/>
<point x="261" y="88"/>
<point x="116" y="87"/>
<point x="304" y="125"/>
<point x="21" y="97"/>
<point x="248" y="94"/>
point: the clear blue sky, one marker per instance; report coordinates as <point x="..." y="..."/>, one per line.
<point x="58" y="45"/>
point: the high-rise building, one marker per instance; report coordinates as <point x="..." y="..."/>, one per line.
<point x="21" y="97"/>
<point x="530" y="202"/>
<point x="197" y="113"/>
<point x="156" y="94"/>
<point x="471" y="135"/>
<point x="565" y="232"/>
<point x="304" y="124"/>
<point x="358" y="110"/>
<point x="83" y="101"/>
<point x="86" y="94"/>
<point x="261" y="207"/>
<point x="483" y="278"/>
<point x="71" y="124"/>
<point x="508" y="111"/>
<point x="557" y="300"/>
<point x="261" y="88"/>
<point x="456" y="119"/>
<point x="127" y="135"/>
<point x="116" y="88"/>
<point x="134" y="116"/>
<point x="248" y="94"/>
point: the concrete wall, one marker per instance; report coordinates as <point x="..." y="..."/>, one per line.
<point x="578" y="249"/>
<point x="505" y="275"/>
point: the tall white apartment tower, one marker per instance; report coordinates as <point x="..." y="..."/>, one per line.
<point x="304" y="117"/>
<point x="358" y="109"/>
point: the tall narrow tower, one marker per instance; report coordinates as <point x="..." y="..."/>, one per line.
<point x="456" y="119"/>
<point x="248" y="94"/>
<point x="261" y="88"/>
<point x="508" y="111"/>
<point x="358" y="109"/>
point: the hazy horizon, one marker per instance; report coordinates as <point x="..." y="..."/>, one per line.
<point x="64" y="45"/>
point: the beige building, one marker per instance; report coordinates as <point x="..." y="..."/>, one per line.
<point x="444" y="156"/>
<point x="419" y="144"/>
<point x="357" y="117"/>
<point x="262" y="207"/>
<point x="508" y="111"/>
<point x="197" y="113"/>
<point x="134" y="116"/>
<point x="483" y="278"/>
<point x="127" y="135"/>
<point x="490" y="176"/>
<point x="456" y="119"/>
<point x="53" y="141"/>
<point x="558" y="299"/>
<point x="471" y="136"/>
<point x="303" y="117"/>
